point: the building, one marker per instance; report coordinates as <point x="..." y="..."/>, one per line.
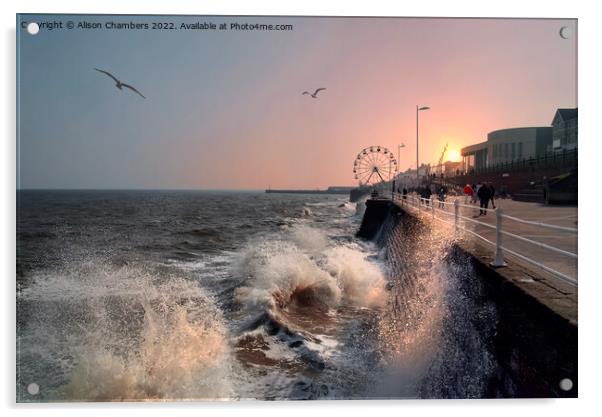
<point x="564" y="130"/>
<point x="409" y="177"/>
<point x="451" y="168"/>
<point x="507" y="145"/>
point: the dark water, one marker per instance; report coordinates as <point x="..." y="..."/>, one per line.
<point x="134" y="295"/>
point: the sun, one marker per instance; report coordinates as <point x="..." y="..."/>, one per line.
<point x="454" y="155"/>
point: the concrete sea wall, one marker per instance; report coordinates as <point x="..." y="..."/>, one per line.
<point x="497" y="341"/>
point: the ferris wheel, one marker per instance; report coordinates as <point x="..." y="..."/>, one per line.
<point x="374" y="164"/>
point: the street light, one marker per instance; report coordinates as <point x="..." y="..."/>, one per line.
<point x="396" y="166"/>
<point x="417" y="166"/>
<point x="398" y="154"/>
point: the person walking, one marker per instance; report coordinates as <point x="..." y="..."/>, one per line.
<point x="492" y="195"/>
<point x="441" y="197"/>
<point x="468" y="191"/>
<point x="484" y="194"/>
<point x="426" y="194"/>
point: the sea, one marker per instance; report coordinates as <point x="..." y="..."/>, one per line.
<point x="227" y="295"/>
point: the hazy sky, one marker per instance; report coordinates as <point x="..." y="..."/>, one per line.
<point x="224" y="108"/>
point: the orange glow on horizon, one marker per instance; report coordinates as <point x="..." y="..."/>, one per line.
<point x="453" y="155"/>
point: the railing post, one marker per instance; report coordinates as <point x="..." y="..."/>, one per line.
<point x="456" y="213"/>
<point x="498" y="259"/>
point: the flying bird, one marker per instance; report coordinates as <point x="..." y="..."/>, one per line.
<point x="315" y="94"/>
<point x="119" y="84"/>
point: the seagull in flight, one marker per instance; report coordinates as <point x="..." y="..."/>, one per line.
<point x="315" y="94"/>
<point x="119" y="84"/>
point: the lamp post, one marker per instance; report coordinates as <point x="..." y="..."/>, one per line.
<point x="398" y="160"/>
<point x="398" y="154"/>
<point x="418" y="109"/>
<point x="396" y="168"/>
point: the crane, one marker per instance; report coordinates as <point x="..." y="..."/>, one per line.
<point x="440" y="164"/>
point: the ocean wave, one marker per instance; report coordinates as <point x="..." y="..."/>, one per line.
<point x="123" y="334"/>
<point x="302" y="266"/>
<point x="301" y="273"/>
<point x="277" y="271"/>
<point x="298" y="288"/>
<point x="360" y="208"/>
<point x="361" y="280"/>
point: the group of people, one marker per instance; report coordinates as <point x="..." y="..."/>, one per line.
<point x="484" y="192"/>
<point x="426" y="192"/>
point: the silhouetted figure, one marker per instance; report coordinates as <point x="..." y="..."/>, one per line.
<point x="492" y="196"/>
<point x="484" y="194"/>
<point x="441" y="196"/>
<point x="426" y="194"/>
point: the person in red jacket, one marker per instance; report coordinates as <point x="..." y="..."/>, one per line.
<point x="468" y="192"/>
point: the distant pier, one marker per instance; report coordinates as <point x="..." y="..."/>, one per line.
<point x="329" y="190"/>
<point x="270" y="191"/>
<point x="355" y="193"/>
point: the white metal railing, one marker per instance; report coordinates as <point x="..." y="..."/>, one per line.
<point x="456" y="219"/>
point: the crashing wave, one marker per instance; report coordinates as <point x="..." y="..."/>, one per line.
<point x="126" y="333"/>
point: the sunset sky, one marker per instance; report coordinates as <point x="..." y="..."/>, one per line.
<point x="224" y="108"/>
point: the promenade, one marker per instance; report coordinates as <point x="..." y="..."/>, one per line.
<point x="556" y="215"/>
<point x="554" y="291"/>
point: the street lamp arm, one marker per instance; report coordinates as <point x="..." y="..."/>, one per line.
<point x="398" y="155"/>
<point x="418" y="108"/>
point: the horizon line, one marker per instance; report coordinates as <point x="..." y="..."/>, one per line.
<point x="175" y="189"/>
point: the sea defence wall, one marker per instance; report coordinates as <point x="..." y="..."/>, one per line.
<point x="529" y="347"/>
